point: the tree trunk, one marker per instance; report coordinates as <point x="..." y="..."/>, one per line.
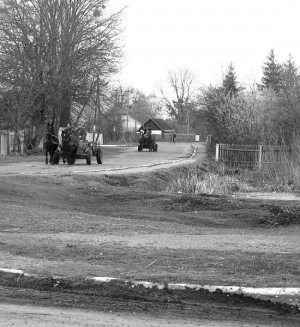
<point x="65" y="115"/>
<point x="39" y="133"/>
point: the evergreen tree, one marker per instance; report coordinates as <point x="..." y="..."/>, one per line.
<point x="272" y="73"/>
<point x="290" y="74"/>
<point x="229" y="84"/>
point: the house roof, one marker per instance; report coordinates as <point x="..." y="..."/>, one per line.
<point x="160" y="123"/>
<point x="176" y="126"/>
<point x="141" y="118"/>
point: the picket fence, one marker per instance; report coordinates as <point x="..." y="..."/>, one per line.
<point x="237" y="155"/>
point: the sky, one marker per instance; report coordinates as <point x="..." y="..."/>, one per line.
<point x="205" y="36"/>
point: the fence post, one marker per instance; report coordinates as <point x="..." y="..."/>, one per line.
<point x="217" y="151"/>
<point x="8" y="141"/>
<point x="4" y="143"/>
<point x="260" y="157"/>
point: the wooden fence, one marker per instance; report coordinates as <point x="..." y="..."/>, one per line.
<point x="112" y="137"/>
<point x="4" y="142"/>
<point x="168" y="137"/>
<point x="237" y="155"/>
<point x="10" y="142"/>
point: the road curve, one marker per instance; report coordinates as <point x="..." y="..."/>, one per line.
<point x="130" y="161"/>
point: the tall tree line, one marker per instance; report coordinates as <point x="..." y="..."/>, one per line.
<point x="52" y="55"/>
<point x="268" y="112"/>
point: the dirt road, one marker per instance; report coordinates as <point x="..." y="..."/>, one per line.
<point x="75" y="223"/>
<point x="20" y="307"/>
<point x="130" y="161"/>
<point x="20" y="316"/>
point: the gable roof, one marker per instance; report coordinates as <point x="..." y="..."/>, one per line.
<point x="159" y="123"/>
<point x="176" y="126"/>
<point x="141" y="118"/>
<point x="162" y="124"/>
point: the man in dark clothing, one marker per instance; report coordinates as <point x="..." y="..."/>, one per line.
<point x="69" y="129"/>
<point x="174" y="137"/>
<point x="81" y="133"/>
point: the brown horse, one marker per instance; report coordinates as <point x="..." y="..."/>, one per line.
<point x="51" y="143"/>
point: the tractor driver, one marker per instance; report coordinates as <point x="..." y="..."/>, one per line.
<point x="147" y="131"/>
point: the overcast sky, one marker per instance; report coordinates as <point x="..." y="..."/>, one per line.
<point x="206" y="36"/>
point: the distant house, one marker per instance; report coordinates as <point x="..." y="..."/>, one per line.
<point x="158" y="127"/>
<point x="133" y="121"/>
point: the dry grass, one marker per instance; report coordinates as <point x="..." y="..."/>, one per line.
<point x="104" y="226"/>
<point x="97" y="227"/>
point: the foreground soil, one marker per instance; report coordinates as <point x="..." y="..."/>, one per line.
<point x="116" y="305"/>
<point x="129" y="227"/>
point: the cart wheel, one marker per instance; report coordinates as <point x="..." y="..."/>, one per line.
<point x="56" y="158"/>
<point x="89" y="158"/>
<point x="99" y="156"/>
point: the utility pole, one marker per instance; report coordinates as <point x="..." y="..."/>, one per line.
<point x="99" y="109"/>
<point x="127" y="106"/>
<point x="96" y="107"/>
<point x="188" y="118"/>
<point x="188" y="115"/>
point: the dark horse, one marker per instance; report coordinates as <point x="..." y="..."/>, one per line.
<point x="69" y="146"/>
<point x="51" y="143"/>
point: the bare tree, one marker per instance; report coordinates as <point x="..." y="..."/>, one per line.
<point x="54" y="51"/>
<point x="178" y="97"/>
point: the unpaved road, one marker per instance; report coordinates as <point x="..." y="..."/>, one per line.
<point x="31" y="206"/>
<point x="20" y="307"/>
<point x="129" y="161"/>
<point x="20" y="316"/>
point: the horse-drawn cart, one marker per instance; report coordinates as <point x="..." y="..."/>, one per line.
<point x="71" y="149"/>
<point x="87" y="150"/>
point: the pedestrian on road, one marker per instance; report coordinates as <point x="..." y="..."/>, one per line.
<point x="174" y="137"/>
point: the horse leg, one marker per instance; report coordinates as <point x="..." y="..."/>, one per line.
<point x="46" y="157"/>
<point x="51" y="157"/>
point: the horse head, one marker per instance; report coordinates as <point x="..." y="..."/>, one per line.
<point x="65" y="137"/>
<point x="69" y="139"/>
